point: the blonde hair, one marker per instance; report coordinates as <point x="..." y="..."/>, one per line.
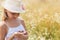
<point x="5" y="16"/>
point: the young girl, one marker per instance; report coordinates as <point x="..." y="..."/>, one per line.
<point x="12" y="27"/>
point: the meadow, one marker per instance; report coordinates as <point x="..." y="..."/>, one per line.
<point x="42" y="18"/>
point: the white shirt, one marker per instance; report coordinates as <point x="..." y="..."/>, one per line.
<point x="13" y="30"/>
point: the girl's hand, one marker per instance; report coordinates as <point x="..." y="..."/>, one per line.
<point x="25" y="36"/>
<point x="16" y="35"/>
<point x="20" y="35"/>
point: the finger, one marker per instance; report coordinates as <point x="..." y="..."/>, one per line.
<point x="20" y="31"/>
<point x="25" y="33"/>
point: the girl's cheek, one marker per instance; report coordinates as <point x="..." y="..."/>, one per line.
<point x="10" y="16"/>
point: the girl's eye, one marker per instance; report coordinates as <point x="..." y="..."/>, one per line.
<point x="13" y="13"/>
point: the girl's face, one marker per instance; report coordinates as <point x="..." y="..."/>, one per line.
<point x="12" y="15"/>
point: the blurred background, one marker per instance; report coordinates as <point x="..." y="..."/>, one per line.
<point x="42" y="18"/>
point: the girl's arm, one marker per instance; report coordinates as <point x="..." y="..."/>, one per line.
<point x="3" y="31"/>
<point x="26" y="33"/>
<point x="23" y="23"/>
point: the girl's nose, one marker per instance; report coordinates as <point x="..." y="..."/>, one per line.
<point x="16" y="15"/>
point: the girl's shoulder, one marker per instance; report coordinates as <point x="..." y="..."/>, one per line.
<point x="20" y="19"/>
<point x="3" y="25"/>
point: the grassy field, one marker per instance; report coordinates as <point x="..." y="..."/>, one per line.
<point x="42" y="18"/>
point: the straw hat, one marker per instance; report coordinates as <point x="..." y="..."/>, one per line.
<point x="13" y="6"/>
